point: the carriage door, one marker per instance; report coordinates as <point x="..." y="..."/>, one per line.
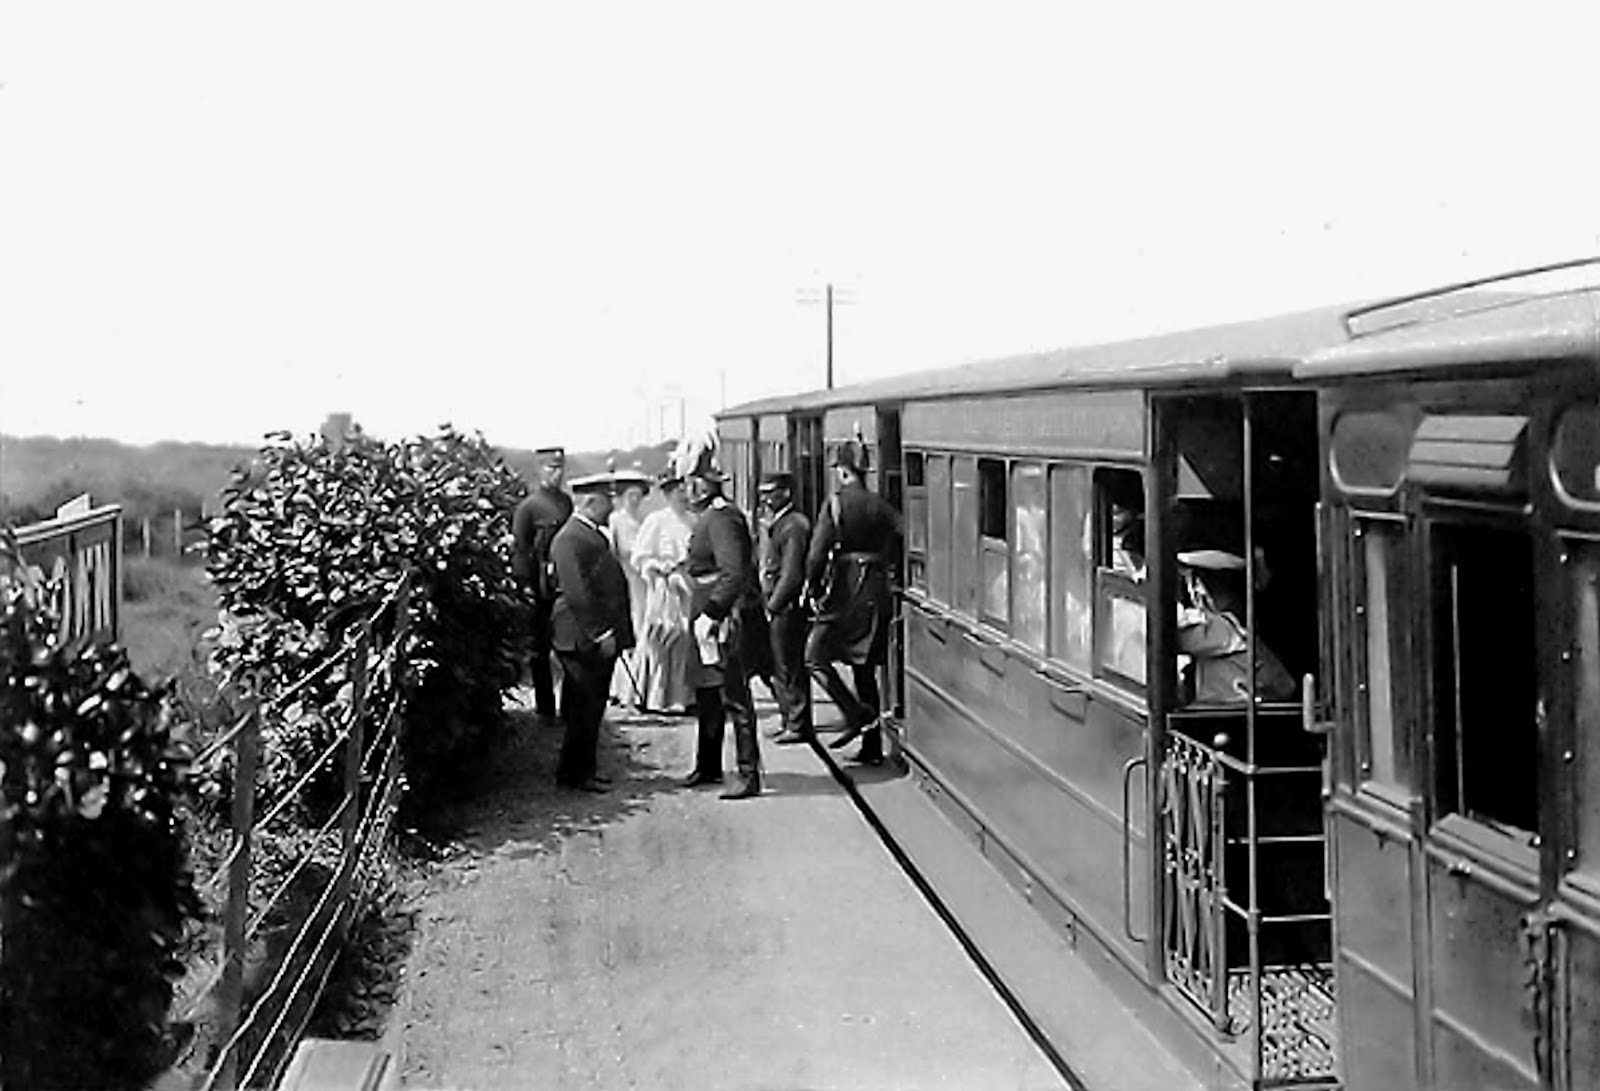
<point x="1244" y="918"/>
<point x="1444" y="961"/>
<point x="891" y="483"/>
<point x="811" y="485"/>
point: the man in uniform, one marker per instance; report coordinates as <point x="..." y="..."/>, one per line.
<point x="534" y="524"/>
<point x="725" y="618"/>
<point x="783" y="575"/>
<point x="847" y="577"/>
<point x="591" y="625"/>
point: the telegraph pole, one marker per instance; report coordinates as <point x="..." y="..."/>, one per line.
<point x="829" y="298"/>
<point x="830" y="336"/>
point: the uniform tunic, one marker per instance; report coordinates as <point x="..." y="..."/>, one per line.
<point x="847" y="569"/>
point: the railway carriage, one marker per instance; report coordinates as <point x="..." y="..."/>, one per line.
<point x="1384" y="834"/>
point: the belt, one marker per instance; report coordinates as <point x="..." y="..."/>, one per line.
<point x="861" y="558"/>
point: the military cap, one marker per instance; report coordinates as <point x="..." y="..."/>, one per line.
<point x="777" y="480"/>
<point x="550" y="454"/>
<point x="625" y="478"/>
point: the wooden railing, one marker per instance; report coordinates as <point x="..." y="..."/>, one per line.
<point x="254" y="1024"/>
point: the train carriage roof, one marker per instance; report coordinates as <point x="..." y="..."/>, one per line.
<point x="1514" y="330"/>
<point x="1549" y="312"/>
<point x="1211" y="354"/>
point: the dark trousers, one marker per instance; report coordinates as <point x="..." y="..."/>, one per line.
<point x="585" y="687"/>
<point x="859" y="708"/>
<point x="730" y="701"/>
<point x="791" y="685"/>
<point x="544" y="690"/>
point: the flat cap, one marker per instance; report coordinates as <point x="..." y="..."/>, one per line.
<point x="588" y="483"/>
<point x="777" y="480"/>
<point x="1215" y="560"/>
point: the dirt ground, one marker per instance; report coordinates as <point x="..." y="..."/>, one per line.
<point x="658" y="937"/>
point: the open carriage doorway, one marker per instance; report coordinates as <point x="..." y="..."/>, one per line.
<point x="1242" y="918"/>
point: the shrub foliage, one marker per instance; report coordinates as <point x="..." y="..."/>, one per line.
<point x="313" y="534"/>
<point x="97" y="895"/>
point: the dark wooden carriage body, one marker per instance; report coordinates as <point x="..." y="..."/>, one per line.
<point x="1387" y="878"/>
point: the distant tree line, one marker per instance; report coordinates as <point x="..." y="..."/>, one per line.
<point x="40" y="473"/>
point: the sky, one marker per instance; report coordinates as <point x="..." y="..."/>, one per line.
<point x="581" y="223"/>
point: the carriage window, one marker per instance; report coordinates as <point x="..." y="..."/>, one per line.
<point x="1071" y="554"/>
<point x="1383" y="616"/>
<point x="1119" y="544"/>
<point x="916" y="523"/>
<point x="940" y="579"/>
<point x="1485" y="684"/>
<point x="994" y="561"/>
<point x="1029" y="556"/>
<point x="964" y="533"/>
<point x="1119" y="607"/>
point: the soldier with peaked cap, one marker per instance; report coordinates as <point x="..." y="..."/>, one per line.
<point x="534" y="524"/>
<point x="726" y="621"/>
<point x="786" y="536"/>
<point x="847" y="576"/>
<point x="591" y="626"/>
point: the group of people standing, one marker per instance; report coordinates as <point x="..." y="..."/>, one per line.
<point x="694" y="603"/>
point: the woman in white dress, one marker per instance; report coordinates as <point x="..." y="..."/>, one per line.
<point x="660" y="555"/>
<point x="624" y="527"/>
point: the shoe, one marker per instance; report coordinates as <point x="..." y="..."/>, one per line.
<point x="745" y="789"/>
<point x="697" y="778"/>
<point x="593" y="784"/>
<point x="775" y="732"/>
<point x="866" y="756"/>
<point x="790" y="738"/>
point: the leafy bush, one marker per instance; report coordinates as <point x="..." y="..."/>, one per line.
<point x="97" y="896"/>
<point x="312" y="536"/>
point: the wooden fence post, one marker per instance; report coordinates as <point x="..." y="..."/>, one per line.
<point x="247" y="753"/>
<point x="177" y="533"/>
<point x="355" y="745"/>
<point x="144" y="534"/>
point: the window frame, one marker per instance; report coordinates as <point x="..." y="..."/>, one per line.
<point x="918" y="518"/>
<point x="994" y="551"/>
<point x="1444" y="781"/>
<point x="1036" y="642"/>
<point x="1110" y="584"/>
<point x="1059" y="644"/>
<point x="1400" y="601"/>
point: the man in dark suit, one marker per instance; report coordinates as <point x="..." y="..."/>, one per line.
<point x="783" y="577"/>
<point x="590" y="624"/>
<point x="847" y="576"/>
<point x="534" y="524"/>
<point x="726" y="621"/>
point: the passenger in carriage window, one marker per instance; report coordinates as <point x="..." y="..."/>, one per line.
<point x="1211" y="632"/>
<point x="1127" y="543"/>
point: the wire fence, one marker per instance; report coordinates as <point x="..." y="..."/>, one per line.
<point x="281" y="933"/>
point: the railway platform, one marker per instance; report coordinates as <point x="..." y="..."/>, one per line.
<point x="661" y="937"/>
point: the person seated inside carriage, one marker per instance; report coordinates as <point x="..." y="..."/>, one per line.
<point x="1212" y="639"/>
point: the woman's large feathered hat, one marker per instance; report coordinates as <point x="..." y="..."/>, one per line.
<point x="696" y="456"/>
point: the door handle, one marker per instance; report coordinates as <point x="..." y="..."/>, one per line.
<point x="1127" y="850"/>
<point x="1310" y="722"/>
